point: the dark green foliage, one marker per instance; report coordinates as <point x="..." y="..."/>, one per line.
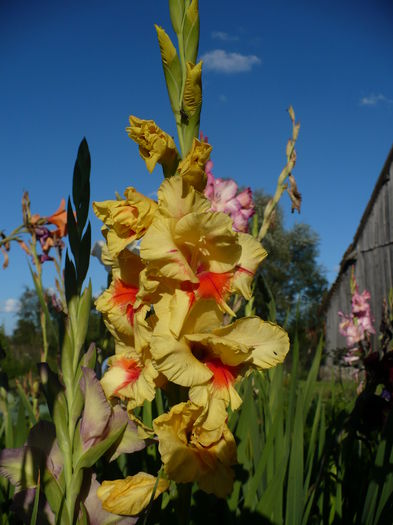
<point x="80" y="243"/>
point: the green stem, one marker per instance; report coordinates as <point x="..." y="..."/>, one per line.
<point x="60" y="280"/>
<point x="67" y="455"/>
<point x="43" y="320"/>
<point x="159" y="402"/>
<point x="179" y="124"/>
<point x="281" y="184"/>
<point x="268" y="214"/>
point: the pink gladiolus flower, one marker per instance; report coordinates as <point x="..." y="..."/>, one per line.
<point x="359" y="301"/>
<point x="352" y="331"/>
<point x="358" y="325"/>
<point x="366" y="322"/>
<point x="222" y="195"/>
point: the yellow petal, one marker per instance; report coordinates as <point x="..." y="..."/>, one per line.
<point x="129" y="496"/>
<point x="171" y="311"/>
<point x="117" y="303"/>
<point x="125" y="220"/>
<point x="203" y="317"/>
<point x="175" y="360"/>
<point x="185" y="456"/>
<point x="130" y="376"/>
<point x="192" y="167"/>
<point x="176" y="199"/>
<point x="210" y="241"/>
<point x="227" y="350"/>
<point x="158" y="246"/>
<point x="251" y="257"/>
<point x="154" y="144"/>
<point x="269" y="342"/>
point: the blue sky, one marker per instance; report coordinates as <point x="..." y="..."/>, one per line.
<point x="73" y="69"/>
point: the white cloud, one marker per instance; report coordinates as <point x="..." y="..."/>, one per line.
<point x="10" y="306"/>
<point x="224" y="62"/>
<point x="373" y="100"/>
<point x="224" y="37"/>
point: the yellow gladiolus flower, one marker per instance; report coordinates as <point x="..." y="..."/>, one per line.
<point x="190" y="348"/>
<point x="192" y="167"/>
<point x="131" y="376"/>
<point x="189" y="455"/>
<point x="125" y="220"/>
<point x="251" y="257"/>
<point x="154" y="145"/>
<point x="129" y="496"/>
<point x="198" y="248"/>
<point x="117" y="302"/>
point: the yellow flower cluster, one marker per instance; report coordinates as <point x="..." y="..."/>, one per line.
<point x="165" y="308"/>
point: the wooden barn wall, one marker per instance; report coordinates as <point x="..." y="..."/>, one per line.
<point x="373" y="266"/>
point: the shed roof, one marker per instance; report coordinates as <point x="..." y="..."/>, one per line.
<point x="349" y="254"/>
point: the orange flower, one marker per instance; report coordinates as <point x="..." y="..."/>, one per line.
<point x="59" y="219"/>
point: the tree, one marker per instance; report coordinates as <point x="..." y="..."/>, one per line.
<point x="291" y="276"/>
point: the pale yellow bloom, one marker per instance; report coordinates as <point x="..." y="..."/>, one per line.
<point x="154" y="144"/>
<point x="190" y="348"/>
<point x="188" y="454"/>
<point x="196" y="247"/>
<point x="117" y="303"/>
<point x="125" y="220"/>
<point x="131" y="376"/>
<point x="251" y="257"/>
<point x="129" y="496"/>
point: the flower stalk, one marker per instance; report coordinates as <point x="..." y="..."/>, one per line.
<point x="282" y="185"/>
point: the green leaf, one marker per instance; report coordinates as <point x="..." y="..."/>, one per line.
<point x="84" y="256"/>
<point x="54" y="494"/>
<point x="26" y="403"/>
<point x="50" y="383"/>
<point x="176" y="10"/>
<point x="21" y="429"/>
<point x="309" y="388"/>
<point x="81" y="185"/>
<point x="67" y="356"/>
<point x="191" y="32"/>
<point x="60" y="419"/>
<point x="256" y="481"/>
<point x="22" y="465"/>
<point x="295" y="495"/>
<point x="40" y="295"/>
<point x="72" y="229"/>
<point x="70" y="282"/>
<point x="172" y="69"/>
<point x="34" y="513"/>
<point x="92" y="455"/>
<point x="83" y="518"/>
<point x="80" y="326"/>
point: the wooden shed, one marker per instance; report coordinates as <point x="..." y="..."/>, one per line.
<point x="371" y="253"/>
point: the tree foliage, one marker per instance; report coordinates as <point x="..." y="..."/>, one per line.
<point x="291" y="276"/>
<point x="23" y="347"/>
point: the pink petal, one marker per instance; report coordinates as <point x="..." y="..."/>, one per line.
<point x="224" y="190"/>
<point x="245" y="198"/>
